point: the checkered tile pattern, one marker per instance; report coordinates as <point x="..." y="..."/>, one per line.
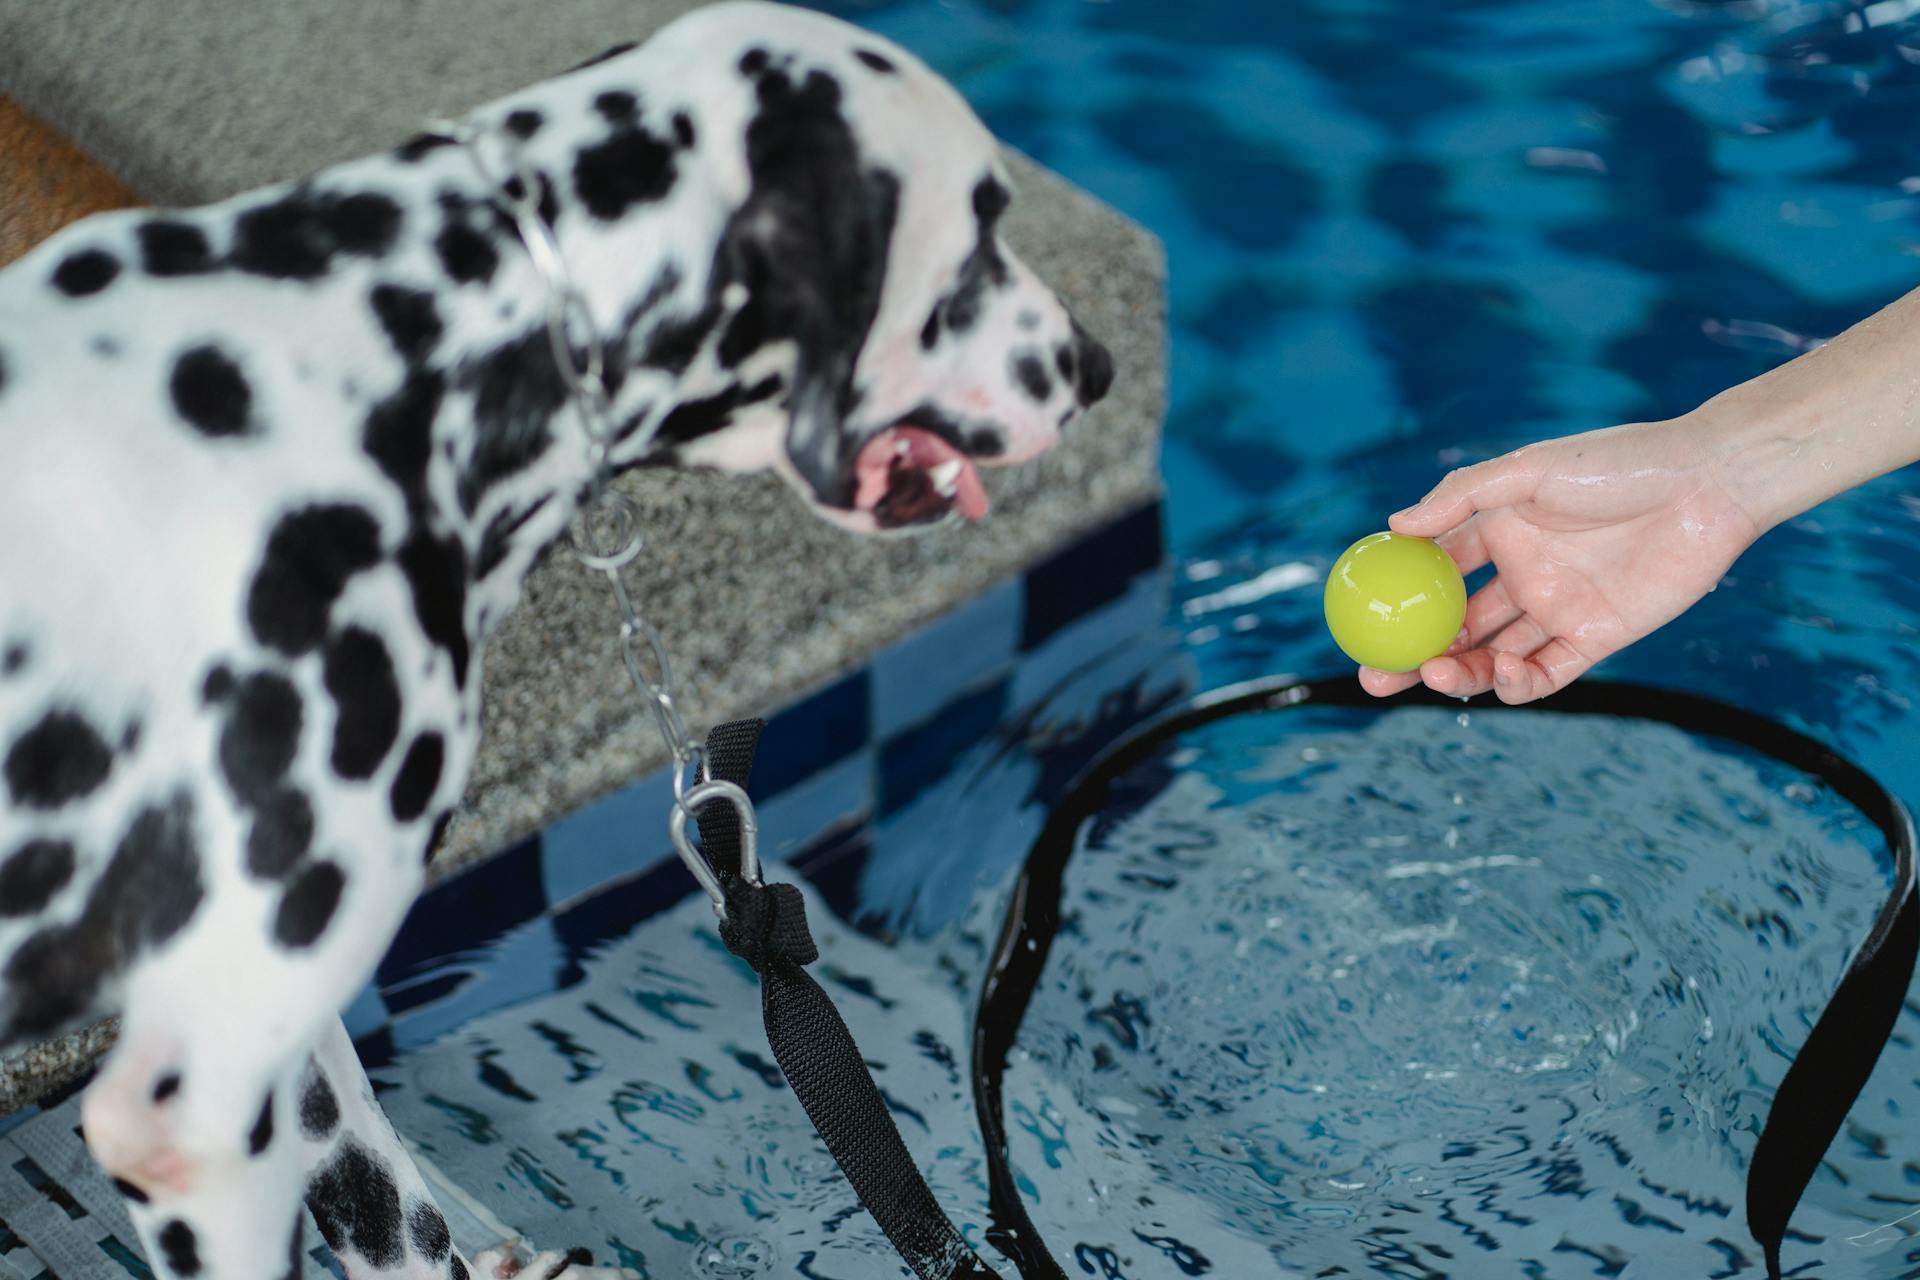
<point x="833" y="769"/>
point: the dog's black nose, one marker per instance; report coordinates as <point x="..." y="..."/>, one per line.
<point x="1095" y="364"/>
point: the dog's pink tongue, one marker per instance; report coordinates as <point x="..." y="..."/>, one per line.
<point x="921" y="451"/>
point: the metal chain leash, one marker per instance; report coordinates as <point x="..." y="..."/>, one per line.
<point x="606" y="534"/>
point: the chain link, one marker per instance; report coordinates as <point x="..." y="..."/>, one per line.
<point x="607" y="535"/>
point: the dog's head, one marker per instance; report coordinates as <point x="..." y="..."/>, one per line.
<point x="868" y="238"/>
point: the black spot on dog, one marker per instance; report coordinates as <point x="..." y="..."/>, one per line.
<point x="1032" y="377"/>
<point x="1093" y="364"/>
<point x="32" y="874"/>
<point x="130" y="737"/>
<point x="260" y="1137"/>
<point x="674" y="342"/>
<point x="524" y="123"/>
<point x="104" y="347"/>
<point x="414" y="149"/>
<point x="166" y="1086"/>
<point x="319" y="1109"/>
<point x="151" y="887"/>
<point x="631" y="167"/>
<point x="878" y="61"/>
<point x="547" y="207"/>
<point x="497" y="541"/>
<point x="1028" y="319"/>
<point x="617" y="105"/>
<point x="419" y="776"/>
<point x="411" y="320"/>
<point x="683" y="131"/>
<point x="358" y="673"/>
<point x="129" y="1191"/>
<point x="809" y="244"/>
<point x="86" y="272"/>
<point x="308" y="559"/>
<point x="357" y="1205"/>
<point x="174" y="249"/>
<point x="428" y="1232"/>
<point x="754" y="62"/>
<point x="468" y="256"/>
<point x="218" y="684"/>
<point x="605" y="55"/>
<point x="281" y="835"/>
<point x="262" y="733"/>
<point x="181" y="1249"/>
<point x="516" y="391"/>
<point x="60" y="758"/>
<point x="985" y="269"/>
<point x="307" y="907"/>
<point x="983" y="443"/>
<point x="691" y="419"/>
<point x="930" y="331"/>
<point x="436" y="570"/>
<point x="297" y="236"/>
<point x="210" y="393"/>
<point x="458" y="1269"/>
<point x="13" y="659"/>
<point x="146" y="893"/>
<point x="399" y="431"/>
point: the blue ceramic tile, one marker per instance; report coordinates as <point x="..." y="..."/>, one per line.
<point x="837" y="794"/>
<point x="918" y="676"/>
<point x="367" y="1014"/>
<point x="468" y="911"/>
<point x="615" y="836"/>
<point x="530" y="961"/>
<point x="817" y="731"/>
<point x="920" y="757"/>
<point x="1093" y="572"/>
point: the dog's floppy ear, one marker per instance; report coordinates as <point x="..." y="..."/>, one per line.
<point x="810" y="246"/>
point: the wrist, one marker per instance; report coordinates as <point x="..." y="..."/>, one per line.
<point x="1761" y="453"/>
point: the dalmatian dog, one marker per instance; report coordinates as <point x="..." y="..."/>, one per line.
<point x="275" y="467"/>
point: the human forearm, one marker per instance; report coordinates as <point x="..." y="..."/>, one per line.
<point x="1832" y="419"/>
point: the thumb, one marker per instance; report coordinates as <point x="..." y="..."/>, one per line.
<point x="1497" y="482"/>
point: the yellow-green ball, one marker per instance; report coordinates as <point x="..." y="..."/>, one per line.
<point x="1394" y="601"/>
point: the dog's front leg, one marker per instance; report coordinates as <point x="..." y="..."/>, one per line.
<point x="369" y="1197"/>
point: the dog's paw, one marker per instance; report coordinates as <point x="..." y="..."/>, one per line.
<point x="508" y="1260"/>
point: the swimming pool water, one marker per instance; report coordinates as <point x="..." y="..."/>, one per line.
<point x="1402" y="235"/>
<point x="1407" y="234"/>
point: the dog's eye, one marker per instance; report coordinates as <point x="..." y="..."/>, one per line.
<point x="930" y="332"/>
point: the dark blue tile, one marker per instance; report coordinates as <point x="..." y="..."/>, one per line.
<point x="1091" y="573"/>
<point x="472" y="909"/>
<point x="832" y="865"/>
<point x="808" y="736"/>
<point x="616" y="910"/>
<point x="927" y="753"/>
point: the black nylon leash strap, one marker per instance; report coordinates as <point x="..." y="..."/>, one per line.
<point x="766" y="925"/>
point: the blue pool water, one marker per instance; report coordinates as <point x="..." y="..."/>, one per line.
<point x="1405" y="234"/>
<point x="1402" y="236"/>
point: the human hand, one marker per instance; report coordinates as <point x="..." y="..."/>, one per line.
<point x="1596" y="540"/>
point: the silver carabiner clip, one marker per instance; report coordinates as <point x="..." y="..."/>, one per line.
<point x="696" y="863"/>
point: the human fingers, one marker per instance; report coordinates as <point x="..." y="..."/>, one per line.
<point x="1547" y="670"/>
<point x="1384" y="684"/>
<point x="1467" y="544"/>
<point x="1497" y="482"/>
<point x="1490" y="610"/>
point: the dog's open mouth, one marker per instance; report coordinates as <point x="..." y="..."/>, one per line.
<point x="907" y="475"/>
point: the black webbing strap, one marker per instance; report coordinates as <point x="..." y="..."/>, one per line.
<point x="766" y="925"/>
<point x="1828" y="1074"/>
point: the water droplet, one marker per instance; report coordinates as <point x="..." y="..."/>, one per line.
<point x="733" y="1258"/>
